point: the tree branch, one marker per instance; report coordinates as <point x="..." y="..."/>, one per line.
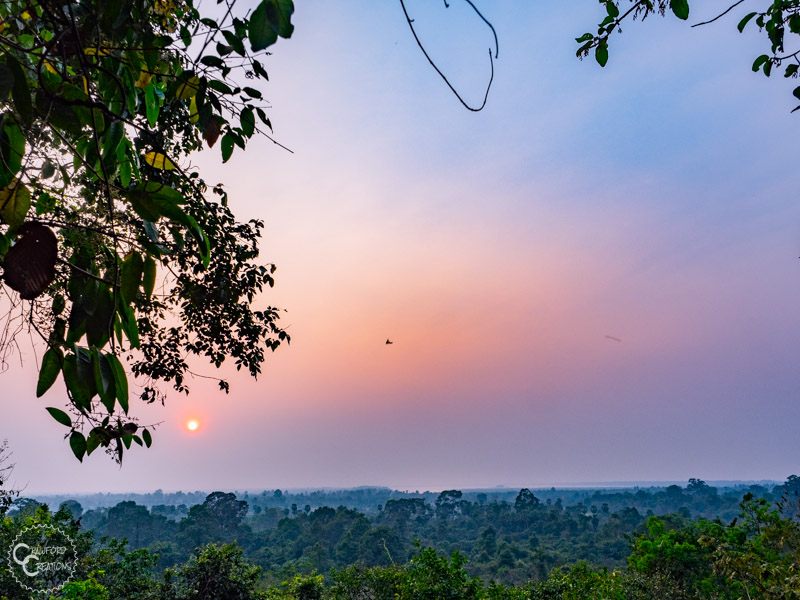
<point x="442" y="75"/>
<point x="722" y="14"/>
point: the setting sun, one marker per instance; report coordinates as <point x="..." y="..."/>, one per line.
<point x="192" y="425"/>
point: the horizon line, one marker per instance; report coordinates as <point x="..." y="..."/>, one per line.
<point x="473" y="489"/>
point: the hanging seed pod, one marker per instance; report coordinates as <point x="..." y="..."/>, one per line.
<point x="30" y="264"/>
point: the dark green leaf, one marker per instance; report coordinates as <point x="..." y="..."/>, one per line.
<point x="163" y="41"/>
<point x="125" y="173"/>
<point x="150" y="52"/>
<point x="263" y="116"/>
<point x="160" y="193"/>
<point x="235" y="41"/>
<point x="259" y="70"/>
<point x="186" y="36"/>
<point x="131" y="276"/>
<point x="114" y="134"/>
<point x="148" y="199"/>
<point x="260" y="30"/>
<point x="20" y="92"/>
<point x="51" y="367"/>
<point x="601" y="53"/>
<point x="98" y="328"/>
<point x="222" y="88"/>
<point x="12" y="149"/>
<point x="794" y="23"/>
<point x="760" y="61"/>
<point x="151" y="231"/>
<point x="128" y="320"/>
<point x="104" y="379"/>
<point x="59" y="303"/>
<point x="48" y="169"/>
<point x="212" y="61"/>
<point x="60" y="416"/>
<point x="151" y="104"/>
<point x="680" y="8"/>
<point x="15" y="201"/>
<point x="78" y="444"/>
<point x="45" y="203"/>
<point x="148" y="439"/>
<point x="92" y="442"/>
<point x="743" y="23"/>
<point x="79" y="377"/>
<point x="272" y="18"/>
<point x="6" y="81"/>
<point x="149" y="276"/>
<point x="248" y="122"/>
<point x="279" y="13"/>
<point x="120" y="381"/>
<point x="227" y="146"/>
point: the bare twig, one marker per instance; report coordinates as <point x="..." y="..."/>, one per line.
<point x="722" y="14"/>
<point x="442" y="75"/>
<point x="82" y="272"/>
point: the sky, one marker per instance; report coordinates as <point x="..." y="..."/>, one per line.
<point x="652" y="201"/>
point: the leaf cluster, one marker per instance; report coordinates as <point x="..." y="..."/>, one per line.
<point x="123" y="253"/>
<point x="779" y="20"/>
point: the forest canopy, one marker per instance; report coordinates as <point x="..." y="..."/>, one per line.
<point x="696" y="541"/>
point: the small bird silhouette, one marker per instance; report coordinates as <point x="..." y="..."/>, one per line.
<point x="611" y="337"/>
<point x="389" y="341"/>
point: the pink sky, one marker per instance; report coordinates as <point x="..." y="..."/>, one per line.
<point x="652" y="201"/>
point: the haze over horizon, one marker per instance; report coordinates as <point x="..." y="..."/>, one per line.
<point x="412" y="490"/>
<point x="596" y="278"/>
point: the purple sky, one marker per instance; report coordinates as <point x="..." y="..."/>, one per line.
<point x="652" y="201"/>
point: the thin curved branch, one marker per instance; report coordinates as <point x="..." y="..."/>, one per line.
<point x="442" y="75"/>
<point x="719" y="16"/>
<point x="485" y="20"/>
<point x="84" y="272"/>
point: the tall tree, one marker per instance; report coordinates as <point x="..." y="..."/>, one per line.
<point x="218" y="519"/>
<point x="114" y="250"/>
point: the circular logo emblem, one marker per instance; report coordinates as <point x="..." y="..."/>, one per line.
<point x="41" y="558"/>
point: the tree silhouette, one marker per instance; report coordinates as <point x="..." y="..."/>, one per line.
<point x="115" y="252"/>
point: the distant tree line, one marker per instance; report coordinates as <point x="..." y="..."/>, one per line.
<point x="341" y="554"/>
<point x="512" y="542"/>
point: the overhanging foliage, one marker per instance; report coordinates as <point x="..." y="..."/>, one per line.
<point x="115" y="251"/>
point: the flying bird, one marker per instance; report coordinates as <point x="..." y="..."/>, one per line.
<point x="611" y="337"/>
<point x="388" y="341"/>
